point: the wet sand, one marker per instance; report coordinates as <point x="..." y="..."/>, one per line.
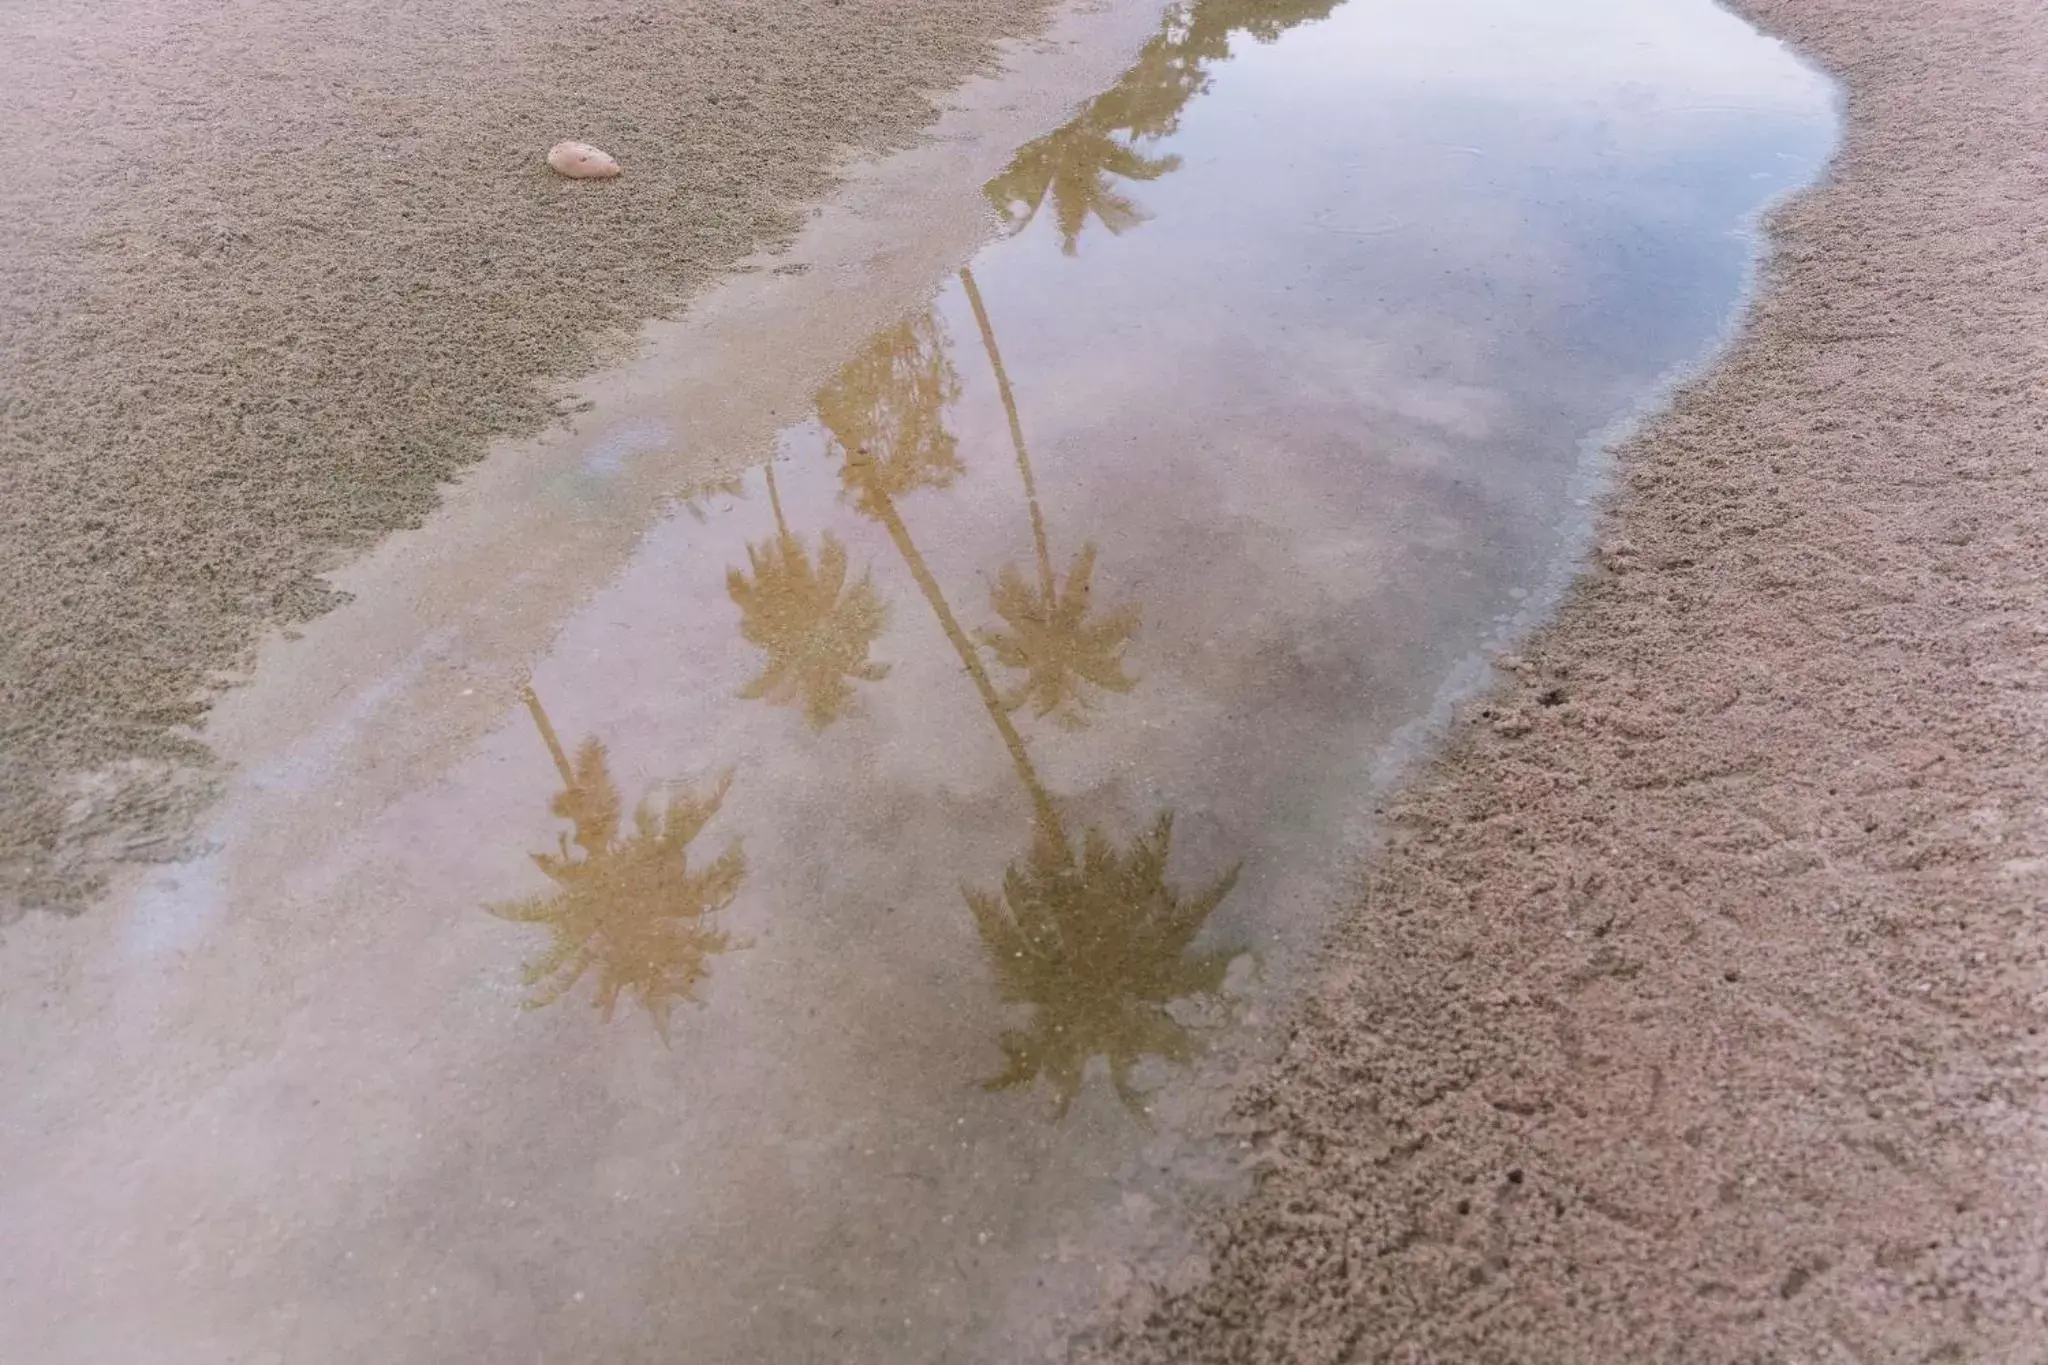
<point x="1694" y="1010"/>
<point x="273" y="275"/>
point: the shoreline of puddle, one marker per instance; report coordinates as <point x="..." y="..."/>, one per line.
<point x="1029" y="702"/>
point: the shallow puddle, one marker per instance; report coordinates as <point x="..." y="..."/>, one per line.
<point x="845" y="945"/>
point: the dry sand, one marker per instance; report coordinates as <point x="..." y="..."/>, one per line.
<point x="1695" y="1011"/>
<point x="272" y="275"/>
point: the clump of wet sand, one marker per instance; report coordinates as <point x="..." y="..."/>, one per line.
<point x="1695" y="1010"/>
<point x="272" y="276"/>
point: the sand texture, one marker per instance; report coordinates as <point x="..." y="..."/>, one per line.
<point x="1695" y="1010"/>
<point x="272" y="275"/>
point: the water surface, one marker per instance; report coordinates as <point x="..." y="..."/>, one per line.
<point x="844" y="940"/>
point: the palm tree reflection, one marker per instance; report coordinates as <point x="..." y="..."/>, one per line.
<point x="815" y="626"/>
<point x="1078" y="167"/>
<point x="1101" y="948"/>
<point x="1050" y="638"/>
<point x="1059" y="650"/>
<point x="627" y="905"/>
<point x="884" y="416"/>
<point x="1096" y="944"/>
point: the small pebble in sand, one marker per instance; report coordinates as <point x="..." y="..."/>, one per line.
<point x="581" y="161"/>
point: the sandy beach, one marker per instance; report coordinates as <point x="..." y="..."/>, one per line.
<point x="382" y="508"/>
<point x="1694" y="1010"/>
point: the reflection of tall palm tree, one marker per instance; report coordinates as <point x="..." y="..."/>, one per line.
<point x="1077" y="167"/>
<point x="884" y="415"/>
<point x="629" y="905"/>
<point x="816" y="628"/>
<point x="1097" y="944"/>
<point x="1050" y="638"/>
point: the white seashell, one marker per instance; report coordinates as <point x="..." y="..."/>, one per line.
<point x="581" y="161"/>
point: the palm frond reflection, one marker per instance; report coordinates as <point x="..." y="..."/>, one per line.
<point x="626" y="906"/>
<point x="884" y="415"/>
<point x="1100" y="948"/>
<point x="815" y="626"/>
<point x="1051" y="640"/>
